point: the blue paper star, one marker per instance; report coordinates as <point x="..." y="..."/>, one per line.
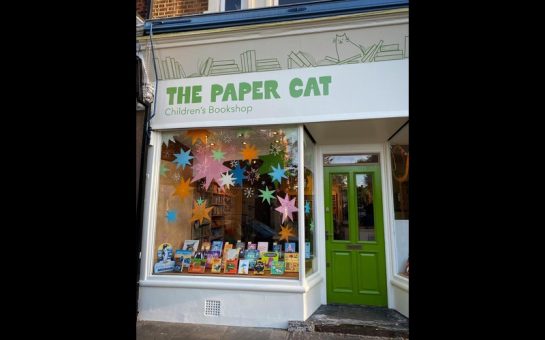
<point x="239" y="174"/>
<point x="182" y="159"/>
<point x="307" y="207"/>
<point x="171" y="215"/>
<point x="200" y="200"/>
<point x="278" y="173"/>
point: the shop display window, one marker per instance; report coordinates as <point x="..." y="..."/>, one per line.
<point x="400" y="186"/>
<point x="228" y="203"/>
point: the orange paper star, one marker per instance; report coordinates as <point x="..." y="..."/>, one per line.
<point x="200" y="212"/>
<point x="183" y="190"/>
<point x="249" y="152"/>
<point x="285" y="233"/>
<point x="198" y="134"/>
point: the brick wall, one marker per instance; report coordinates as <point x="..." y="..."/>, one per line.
<point x="174" y="8"/>
<point x="142" y="8"/>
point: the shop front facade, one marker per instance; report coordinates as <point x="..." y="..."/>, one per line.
<point x="277" y="170"/>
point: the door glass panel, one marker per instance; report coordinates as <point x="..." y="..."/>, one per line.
<point x="366" y="221"/>
<point x="339" y="206"/>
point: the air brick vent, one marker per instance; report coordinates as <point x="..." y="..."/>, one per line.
<point x="212" y="307"/>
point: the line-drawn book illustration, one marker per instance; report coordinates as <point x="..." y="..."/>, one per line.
<point x="169" y="68"/>
<point x="300" y="59"/>
<point x="389" y="52"/>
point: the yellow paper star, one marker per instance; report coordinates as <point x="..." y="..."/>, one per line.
<point x="285" y="233"/>
<point x="183" y="190"/>
<point x="198" y="134"/>
<point x="249" y="152"/>
<point x="200" y="212"/>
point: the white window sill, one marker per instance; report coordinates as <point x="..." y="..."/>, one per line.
<point x="246" y="284"/>
<point x="400" y="282"/>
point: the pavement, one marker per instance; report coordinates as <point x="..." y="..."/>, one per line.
<point x="329" y="322"/>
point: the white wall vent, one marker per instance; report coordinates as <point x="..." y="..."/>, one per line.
<point x="212" y="307"/>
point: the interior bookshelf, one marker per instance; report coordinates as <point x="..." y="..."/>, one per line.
<point x="220" y="214"/>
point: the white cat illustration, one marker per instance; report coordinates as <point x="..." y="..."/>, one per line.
<point x="346" y="49"/>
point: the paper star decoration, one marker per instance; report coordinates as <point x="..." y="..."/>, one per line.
<point x="285" y="233"/>
<point x="200" y="200"/>
<point x="200" y="212"/>
<point x="198" y="134"/>
<point x="168" y="136"/>
<point x="248" y="192"/>
<point x="253" y="175"/>
<point x="205" y="167"/>
<point x="266" y="195"/>
<point x="238" y="172"/>
<point x="287" y="207"/>
<point x="249" y="152"/>
<point x="274" y="149"/>
<point x="233" y="163"/>
<point x="218" y="155"/>
<point x="182" y="158"/>
<point x="307" y="207"/>
<point x="269" y="161"/>
<point x="278" y="173"/>
<point x="171" y="215"/>
<point x="183" y="188"/>
<point x="227" y="180"/>
<point x="311" y="226"/>
<point x="163" y="169"/>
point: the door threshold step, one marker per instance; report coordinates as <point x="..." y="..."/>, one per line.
<point x="372" y="322"/>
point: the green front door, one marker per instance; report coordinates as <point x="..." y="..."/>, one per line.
<point x="355" y="260"/>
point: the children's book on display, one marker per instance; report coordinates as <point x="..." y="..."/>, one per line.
<point x="291" y="262"/>
<point x="192" y="245"/>
<point x="164" y="259"/>
<point x="277" y="268"/>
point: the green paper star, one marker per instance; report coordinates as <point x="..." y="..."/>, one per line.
<point x="266" y="195"/>
<point x="163" y="169"/>
<point x="311" y="226"/>
<point x="269" y="161"/>
<point x="200" y="200"/>
<point x="218" y="155"/>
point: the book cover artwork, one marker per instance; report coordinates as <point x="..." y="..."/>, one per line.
<point x="211" y="255"/>
<point x="291" y="262"/>
<point x="268" y="257"/>
<point x="263" y="246"/>
<point x="277" y="268"/>
<point x="197" y="265"/>
<point x="289" y="247"/>
<point x="259" y="268"/>
<point x="217" y="245"/>
<point x="164" y="259"/>
<point x="216" y="265"/>
<point x="243" y="266"/>
<point x="231" y="266"/>
<point x="192" y="245"/>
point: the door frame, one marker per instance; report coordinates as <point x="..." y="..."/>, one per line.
<point x="382" y="150"/>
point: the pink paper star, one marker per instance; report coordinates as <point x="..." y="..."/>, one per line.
<point x="205" y="166"/>
<point x="287" y="207"/>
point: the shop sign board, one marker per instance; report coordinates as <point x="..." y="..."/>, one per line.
<point x="325" y="93"/>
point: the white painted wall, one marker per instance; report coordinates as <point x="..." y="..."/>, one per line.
<point x="238" y="308"/>
<point x="401" y="299"/>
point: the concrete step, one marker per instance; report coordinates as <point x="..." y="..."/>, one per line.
<point x="366" y="321"/>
